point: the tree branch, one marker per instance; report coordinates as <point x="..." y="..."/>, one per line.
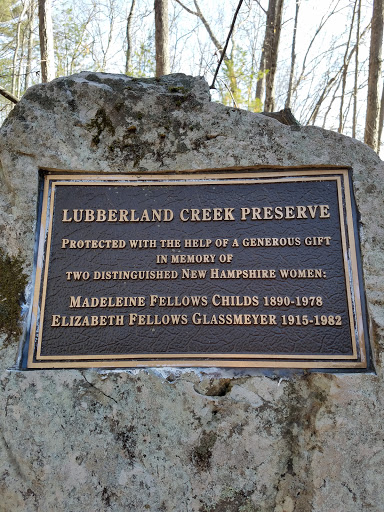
<point x="226" y="43"/>
<point x="9" y="96"/>
<point x="207" y="26"/>
<point x="187" y="9"/>
<point x="259" y="4"/>
<point x="128" y="53"/>
<point x="200" y="15"/>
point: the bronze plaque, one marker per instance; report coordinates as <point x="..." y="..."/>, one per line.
<point x="237" y="269"/>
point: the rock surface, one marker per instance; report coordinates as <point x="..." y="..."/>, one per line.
<point x="182" y="440"/>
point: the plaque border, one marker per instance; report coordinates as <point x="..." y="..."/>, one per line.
<point x="358" y="359"/>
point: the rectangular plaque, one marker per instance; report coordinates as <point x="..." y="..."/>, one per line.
<point x="236" y="269"/>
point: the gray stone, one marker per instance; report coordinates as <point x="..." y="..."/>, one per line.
<point x="182" y="440"/>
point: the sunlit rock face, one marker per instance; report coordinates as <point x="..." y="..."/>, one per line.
<point x="209" y="440"/>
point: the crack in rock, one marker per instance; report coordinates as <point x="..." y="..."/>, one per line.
<point x="97" y="389"/>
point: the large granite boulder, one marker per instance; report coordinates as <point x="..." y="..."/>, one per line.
<point x="207" y="440"/>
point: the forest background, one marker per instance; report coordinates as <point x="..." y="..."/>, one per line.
<point x="322" y="59"/>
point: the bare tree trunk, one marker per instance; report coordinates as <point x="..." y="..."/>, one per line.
<point x="344" y="72"/>
<point x="111" y="5"/>
<point x="19" y="68"/>
<point x="354" y="118"/>
<point x="271" y="57"/>
<point x="46" y="41"/>
<point x="381" y="120"/>
<point x="373" y="109"/>
<point x="268" y="61"/>
<point x="128" y="55"/>
<point x="31" y="13"/>
<point x="293" y="57"/>
<point x="232" y="78"/>
<point x="161" y="37"/>
<point x="260" y="84"/>
<point x="17" y="48"/>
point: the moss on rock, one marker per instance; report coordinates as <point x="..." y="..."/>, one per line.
<point x="12" y="285"/>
